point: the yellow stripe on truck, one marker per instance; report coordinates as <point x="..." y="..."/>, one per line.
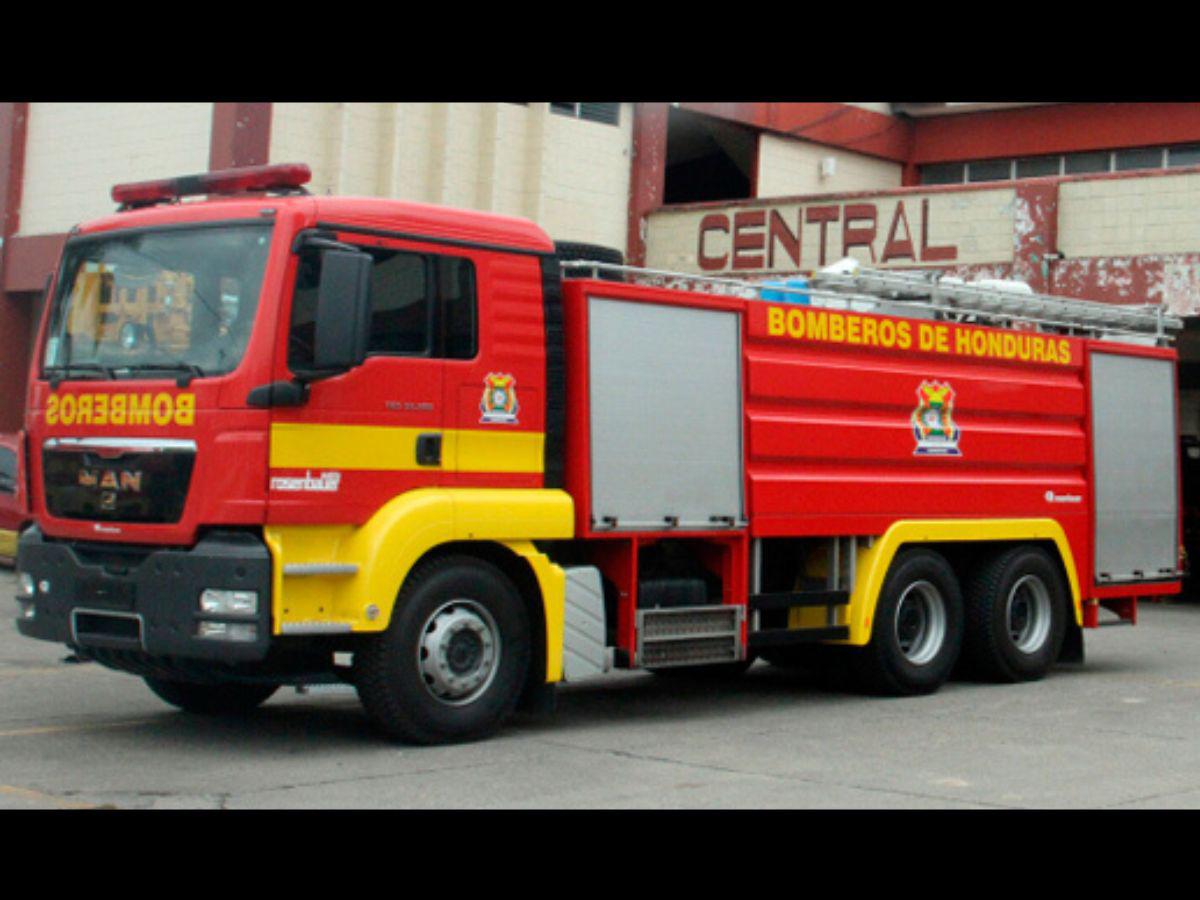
<point x="384" y="448"/>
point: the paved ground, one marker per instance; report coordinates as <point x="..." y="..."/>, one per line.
<point x="1122" y="731"/>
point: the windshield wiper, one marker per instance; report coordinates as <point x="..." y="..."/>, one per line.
<point x="190" y="370"/>
<point x="59" y="374"/>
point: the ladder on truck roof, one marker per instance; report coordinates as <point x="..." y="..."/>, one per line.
<point x="932" y="294"/>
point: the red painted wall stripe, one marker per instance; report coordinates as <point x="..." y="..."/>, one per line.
<point x="14" y="313"/>
<point x="241" y="135"/>
<point x="14" y="118"/>
<point x="1057" y="128"/>
<point x="648" y="172"/>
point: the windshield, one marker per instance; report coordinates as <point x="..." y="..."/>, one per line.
<point x="179" y="299"/>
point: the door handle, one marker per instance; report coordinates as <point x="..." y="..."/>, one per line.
<point x="429" y="449"/>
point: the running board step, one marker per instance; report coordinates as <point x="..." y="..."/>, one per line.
<point x="788" y="599"/>
<point x="689" y="636"/>
<point x="784" y="637"/>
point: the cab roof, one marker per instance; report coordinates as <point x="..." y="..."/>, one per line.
<point x="400" y="217"/>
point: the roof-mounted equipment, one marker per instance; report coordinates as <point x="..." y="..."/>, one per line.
<point x="286" y="178"/>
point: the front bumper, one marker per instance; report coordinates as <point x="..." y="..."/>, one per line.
<point x="142" y="599"/>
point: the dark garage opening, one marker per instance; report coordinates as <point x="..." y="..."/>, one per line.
<point x="708" y="159"/>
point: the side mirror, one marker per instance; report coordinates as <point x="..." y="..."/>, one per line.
<point x="343" y="321"/>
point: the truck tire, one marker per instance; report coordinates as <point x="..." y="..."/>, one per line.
<point x="573" y="250"/>
<point x="451" y="665"/>
<point x="918" y="628"/>
<point x="211" y="699"/>
<point x="1016" y="613"/>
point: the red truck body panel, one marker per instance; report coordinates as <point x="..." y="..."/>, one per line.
<point x="830" y="446"/>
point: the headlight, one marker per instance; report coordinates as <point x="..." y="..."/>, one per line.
<point x="25" y="585"/>
<point x="229" y="603"/>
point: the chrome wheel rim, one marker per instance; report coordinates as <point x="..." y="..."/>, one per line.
<point x="920" y="622"/>
<point x="1027" y="614"/>
<point x="459" y="652"/>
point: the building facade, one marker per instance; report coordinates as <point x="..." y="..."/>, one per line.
<point x="1095" y="200"/>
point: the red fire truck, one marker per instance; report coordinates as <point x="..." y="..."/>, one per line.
<point x="281" y="439"/>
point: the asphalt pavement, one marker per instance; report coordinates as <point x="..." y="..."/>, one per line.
<point x="1122" y="731"/>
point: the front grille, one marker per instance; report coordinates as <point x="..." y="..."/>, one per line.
<point x="143" y="485"/>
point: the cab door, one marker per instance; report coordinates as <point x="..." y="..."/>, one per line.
<point x="365" y="436"/>
<point x="491" y="306"/>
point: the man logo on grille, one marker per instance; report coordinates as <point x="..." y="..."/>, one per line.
<point x="125" y="480"/>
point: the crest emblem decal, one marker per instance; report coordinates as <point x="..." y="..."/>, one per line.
<point x="499" y="403"/>
<point x="932" y="422"/>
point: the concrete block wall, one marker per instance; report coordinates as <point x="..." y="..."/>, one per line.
<point x="1132" y="239"/>
<point x="76" y="152"/>
<point x="902" y="229"/>
<point x="789" y="167"/>
<point x="568" y="175"/>
<point x="1130" y="216"/>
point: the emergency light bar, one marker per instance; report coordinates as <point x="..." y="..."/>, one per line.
<point x="281" y="177"/>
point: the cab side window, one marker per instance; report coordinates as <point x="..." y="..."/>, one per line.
<point x="421" y="305"/>
<point x="401" y="304"/>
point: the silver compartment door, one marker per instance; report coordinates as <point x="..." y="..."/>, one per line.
<point x="1135" y="449"/>
<point x="666" y="415"/>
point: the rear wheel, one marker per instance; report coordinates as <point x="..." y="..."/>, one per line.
<point x="451" y="665"/>
<point x="918" y="627"/>
<point x="211" y="699"/>
<point x="1016" y="609"/>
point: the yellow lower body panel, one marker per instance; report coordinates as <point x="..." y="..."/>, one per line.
<point x="8" y="544"/>
<point x="344" y="578"/>
<point x="873" y="563"/>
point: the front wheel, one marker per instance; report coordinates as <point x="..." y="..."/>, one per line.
<point x="452" y="662"/>
<point x="918" y="627"/>
<point x="211" y="699"/>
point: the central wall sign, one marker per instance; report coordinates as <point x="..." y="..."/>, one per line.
<point x="946" y="228"/>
